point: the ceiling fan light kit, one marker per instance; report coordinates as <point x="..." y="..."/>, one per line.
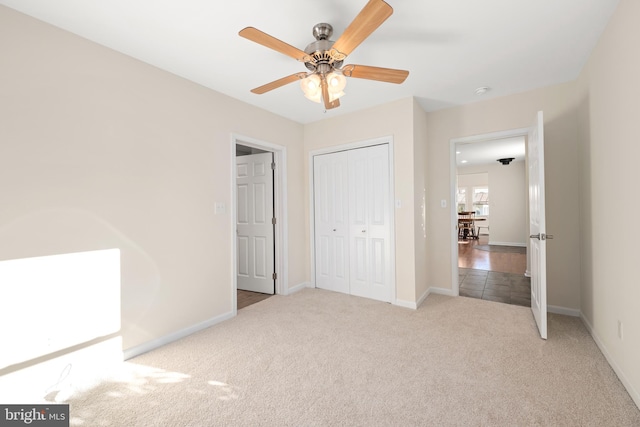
<point x="312" y="86"/>
<point x="326" y="80"/>
<point x="506" y="160"/>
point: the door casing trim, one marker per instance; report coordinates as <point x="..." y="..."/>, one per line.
<point x="281" y="234"/>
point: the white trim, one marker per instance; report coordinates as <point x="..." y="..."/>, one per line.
<point x="406" y="304"/>
<point x="635" y="395"/>
<point x="299" y="287"/>
<point x="392" y="217"/>
<point x="563" y="310"/>
<point x="455" y="286"/>
<point x="442" y="291"/>
<point x="423" y="297"/>
<point x="412" y="305"/>
<point x="159" y="342"/>
<point x="280" y="206"/>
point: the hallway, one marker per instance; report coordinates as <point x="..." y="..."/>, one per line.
<point x="478" y="255"/>
<point x="494" y="273"/>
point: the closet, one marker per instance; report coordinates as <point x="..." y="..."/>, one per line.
<point x="352" y="214"/>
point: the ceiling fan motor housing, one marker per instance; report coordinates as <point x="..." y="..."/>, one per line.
<point x="323" y="62"/>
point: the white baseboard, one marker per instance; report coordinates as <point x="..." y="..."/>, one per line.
<point x="159" y="342"/>
<point x="431" y="290"/>
<point x="405" y="304"/>
<point x="442" y="291"/>
<point x="299" y="287"/>
<point x="635" y="395"/>
<point x="563" y="310"/>
<point x="423" y="297"/>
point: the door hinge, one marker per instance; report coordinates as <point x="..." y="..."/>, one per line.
<point x="273" y="165"/>
<point x="274" y="276"/>
<point x="273" y="221"/>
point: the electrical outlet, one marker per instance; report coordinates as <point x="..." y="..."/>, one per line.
<point x="620" y="331"/>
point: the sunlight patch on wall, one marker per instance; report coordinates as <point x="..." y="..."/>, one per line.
<point x="55" y="302"/>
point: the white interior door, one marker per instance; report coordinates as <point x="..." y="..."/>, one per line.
<point x="331" y="205"/>
<point x="537" y="226"/>
<point x="353" y="222"/>
<point x="254" y="226"/>
<point x="369" y="223"/>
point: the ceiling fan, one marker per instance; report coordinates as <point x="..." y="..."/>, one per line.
<point x="324" y="58"/>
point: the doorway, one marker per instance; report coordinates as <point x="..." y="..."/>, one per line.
<point x="259" y="221"/>
<point x="489" y="187"/>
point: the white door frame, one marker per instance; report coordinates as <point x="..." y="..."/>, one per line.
<point x="280" y="207"/>
<point x="455" y="286"/>
<point x="351" y="146"/>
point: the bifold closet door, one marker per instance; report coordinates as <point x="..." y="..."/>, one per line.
<point x="369" y="223"/>
<point x="352" y="222"/>
<point x="331" y="204"/>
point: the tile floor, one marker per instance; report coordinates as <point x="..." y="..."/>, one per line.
<point x="507" y="288"/>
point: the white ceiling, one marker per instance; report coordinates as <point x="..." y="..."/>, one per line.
<point x="450" y="47"/>
<point x="488" y="152"/>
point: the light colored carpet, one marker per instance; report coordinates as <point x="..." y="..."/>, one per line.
<point x="318" y="358"/>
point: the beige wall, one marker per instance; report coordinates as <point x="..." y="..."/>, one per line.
<point x="608" y="94"/>
<point x="420" y="187"/>
<point x="98" y="150"/>
<point x="395" y="120"/>
<point x="512" y="112"/>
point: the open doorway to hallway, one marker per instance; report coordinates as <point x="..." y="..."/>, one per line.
<point x="491" y="201"/>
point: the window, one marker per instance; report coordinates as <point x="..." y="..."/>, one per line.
<point x="481" y="201"/>
<point x="462" y="199"/>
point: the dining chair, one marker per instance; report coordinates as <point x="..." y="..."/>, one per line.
<point x="466" y="225"/>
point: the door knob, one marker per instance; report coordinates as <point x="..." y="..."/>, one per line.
<point x="541" y="236"/>
<point x="364" y="231"/>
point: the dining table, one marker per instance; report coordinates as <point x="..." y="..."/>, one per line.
<point x="466" y="223"/>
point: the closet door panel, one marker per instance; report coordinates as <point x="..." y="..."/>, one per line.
<point x="370" y="226"/>
<point x="331" y="222"/>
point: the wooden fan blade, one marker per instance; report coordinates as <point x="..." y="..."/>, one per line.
<point x="388" y="75"/>
<point x="370" y="17"/>
<point x="325" y="96"/>
<point x="271" y="42"/>
<point x="278" y="83"/>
